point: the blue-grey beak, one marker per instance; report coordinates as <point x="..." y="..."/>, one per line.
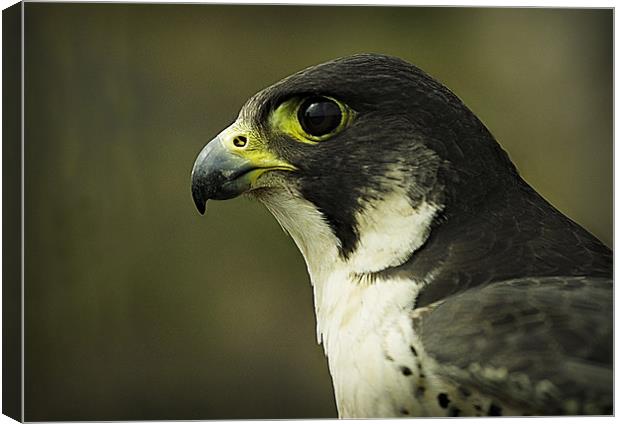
<point x="219" y="174"/>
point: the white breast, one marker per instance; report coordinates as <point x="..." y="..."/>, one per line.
<point x="365" y="326"/>
<point x="367" y="335"/>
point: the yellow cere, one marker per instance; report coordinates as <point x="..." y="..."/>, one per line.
<point x="284" y="119"/>
<point x="254" y="149"/>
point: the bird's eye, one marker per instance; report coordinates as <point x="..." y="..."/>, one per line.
<point x="319" y="116"/>
<point x="311" y="119"/>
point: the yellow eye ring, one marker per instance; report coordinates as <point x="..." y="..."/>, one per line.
<point x="319" y="116"/>
<point x="311" y="119"/>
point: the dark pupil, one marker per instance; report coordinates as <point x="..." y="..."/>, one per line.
<point x="319" y="116"/>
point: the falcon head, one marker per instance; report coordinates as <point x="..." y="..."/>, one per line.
<point x="355" y="150"/>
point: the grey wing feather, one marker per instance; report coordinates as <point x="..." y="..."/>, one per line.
<point x="543" y="345"/>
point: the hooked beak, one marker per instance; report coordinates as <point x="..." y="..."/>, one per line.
<point x="218" y="174"/>
<point x="222" y="171"/>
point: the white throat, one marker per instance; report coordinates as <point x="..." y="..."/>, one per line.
<point x="390" y="230"/>
<point x="360" y="321"/>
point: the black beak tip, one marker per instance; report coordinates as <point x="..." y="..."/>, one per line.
<point x="202" y="207"/>
<point x="199" y="200"/>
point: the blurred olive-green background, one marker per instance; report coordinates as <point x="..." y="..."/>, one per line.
<point x="139" y="308"/>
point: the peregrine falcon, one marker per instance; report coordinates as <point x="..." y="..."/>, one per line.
<point x="444" y="284"/>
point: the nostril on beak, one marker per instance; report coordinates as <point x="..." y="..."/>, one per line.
<point x="240" y="141"/>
